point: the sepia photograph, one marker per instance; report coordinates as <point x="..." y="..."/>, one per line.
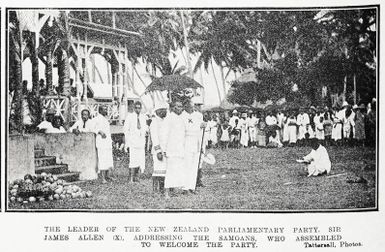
<point x="192" y="109"/>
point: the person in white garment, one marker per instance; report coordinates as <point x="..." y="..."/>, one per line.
<point x="244" y="130"/>
<point x="280" y="122"/>
<point x="234" y="125"/>
<point x="348" y="124"/>
<point x="271" y="123"/>
<point x="158" y="138"/>
<point x="57" y="125"/>
<point x="175" y="148"/>
<point x="194" y="129"/>
<point x="135" y="129"/>
<point x="252" y="125"/>
<point x="46" y="124"/>
<point x="319" y="126"/>
<point x="318" y="161"/>
<point x="101" y="127"/>
<point x="290" y="131"/>
<point x="338" y="118"/>
<point x="82" y="125"/>
<point x="303" y="121"/>
<point x="213" y="127"/>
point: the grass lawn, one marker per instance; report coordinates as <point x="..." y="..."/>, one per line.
<point x="243" y="179"/>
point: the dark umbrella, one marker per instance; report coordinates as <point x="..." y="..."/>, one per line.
<point x="172" y="83"/>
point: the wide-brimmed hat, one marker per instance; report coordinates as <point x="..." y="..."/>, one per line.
<point x="345" y="104"/>
<point x="235" y="111"/>
<point x="355" y="106"/>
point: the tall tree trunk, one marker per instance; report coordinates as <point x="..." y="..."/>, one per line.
<point x="216" y="82"/>
<point x="64" y="74"/>
<point x="15" y="79"/>
<point x="48" y="73"/>
<point x="35" y="106"/>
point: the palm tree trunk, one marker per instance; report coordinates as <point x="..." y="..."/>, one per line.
<point x="15" y="74"/>
<point x="216" y="82"/>
<point x="64" y="74"/>
<point x="48" y="73"/>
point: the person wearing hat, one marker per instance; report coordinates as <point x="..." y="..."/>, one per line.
<point x="158" y="134"/>
<point x="82" y="125"/>
<point x="135" y="129"/>
<point x="359" y="122"/>
<point x="194" y="127"/>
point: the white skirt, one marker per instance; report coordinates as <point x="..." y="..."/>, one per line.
<point x="137" y="158"/>
<point x="174" y="172"/>
<point x="105" y="159"/>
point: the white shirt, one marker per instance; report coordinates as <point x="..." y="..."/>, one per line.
<point x="135" y="134"/>
<point x="45" y="125"/>
<point x="270" y="120"/>
<point x="175" y="135"/>
<point x="253" y="121"/>
<point x="193" y="123"/>
<point x="320" y="159"/>
<point x="303" y="119"/>
<point x="55" y="130"/>
<point x="100" y="123"/>
<point x="81" y="126"/>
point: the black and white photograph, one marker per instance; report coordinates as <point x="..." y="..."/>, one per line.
<point x="239" y="110"/>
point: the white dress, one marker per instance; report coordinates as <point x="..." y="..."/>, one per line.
<point x="175" y="151"/>
<point x="193" y="141"/>
<point x="103" y="145"/>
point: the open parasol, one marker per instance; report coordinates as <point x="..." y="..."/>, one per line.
<point x="172" y="83"/>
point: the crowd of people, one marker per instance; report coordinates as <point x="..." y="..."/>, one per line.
<point x="178" y="134"/>
<point x="348" y="125"/>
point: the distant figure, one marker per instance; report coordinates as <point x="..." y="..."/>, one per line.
<point x="318" y="160"/>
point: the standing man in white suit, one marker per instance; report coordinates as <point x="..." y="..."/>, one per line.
<point x="194" y="124"/>
<point x="135" y="129"/>
<point x="175" y="148"/>
<point x="101" y="127"/>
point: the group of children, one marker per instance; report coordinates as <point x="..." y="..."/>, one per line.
<point x="348" y="125"/>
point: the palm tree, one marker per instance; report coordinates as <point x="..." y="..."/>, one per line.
<point x="15" y="73"/>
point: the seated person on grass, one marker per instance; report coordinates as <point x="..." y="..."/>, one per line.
<point x="318" y="162"/>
